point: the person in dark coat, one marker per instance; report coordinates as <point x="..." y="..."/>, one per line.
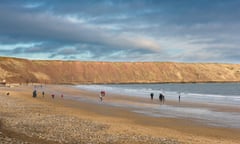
<point x="43" y="94"/>
<point x="35" y="93"/>
<point x="179" y="97"/>
<point x="151" y="96"/>
<point x="161" y="98"/>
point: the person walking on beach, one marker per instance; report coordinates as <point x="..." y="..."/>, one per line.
<point x="43" y="94"/>
<point x="151" y="96"/>
<point x="53" y="96"/>
<point x="35" y="93"/>
<point x="179" y="97"/>
<point x="161" y="98"/>
<point x="101" y="95"/>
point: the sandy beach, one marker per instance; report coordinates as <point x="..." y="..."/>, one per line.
<point x="28" y="120"/>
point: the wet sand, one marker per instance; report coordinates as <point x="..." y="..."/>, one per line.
<point x="24" y="119"/>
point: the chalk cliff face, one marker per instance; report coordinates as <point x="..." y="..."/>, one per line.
<point x="22" y="71"/>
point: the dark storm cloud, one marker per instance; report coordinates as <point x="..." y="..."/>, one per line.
<point x="33" y="27"/>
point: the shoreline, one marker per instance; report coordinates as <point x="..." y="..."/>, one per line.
<point x="14" y="84"/>
<point x="117" y="124"/>
<point x="218" y="115"/>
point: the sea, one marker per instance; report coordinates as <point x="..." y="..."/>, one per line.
<point x="216" y="94"/>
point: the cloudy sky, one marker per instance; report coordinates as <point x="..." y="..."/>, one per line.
<point x="121" y="30"/>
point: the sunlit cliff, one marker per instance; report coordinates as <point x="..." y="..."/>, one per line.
<point x="15" y="70"/>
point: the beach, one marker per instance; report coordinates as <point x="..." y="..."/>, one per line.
<point x="27" y="120"/>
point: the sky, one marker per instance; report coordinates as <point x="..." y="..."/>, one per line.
<point x="121" y="30"/>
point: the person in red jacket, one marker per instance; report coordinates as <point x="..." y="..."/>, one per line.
<point x="101" y="95"/>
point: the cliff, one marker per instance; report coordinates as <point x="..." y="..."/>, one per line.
<point x="43" y="71"/>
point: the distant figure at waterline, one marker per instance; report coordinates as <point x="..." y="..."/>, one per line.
<point x="101" y="95"/>
<point x="161" y="98"/>
<point x="179" y="97"/>
<point x="151" y="95"/>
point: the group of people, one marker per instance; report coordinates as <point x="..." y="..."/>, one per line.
<point x="161" y="97"/>
<point x="34" y="94"/>
<point x="43" y="94"/>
